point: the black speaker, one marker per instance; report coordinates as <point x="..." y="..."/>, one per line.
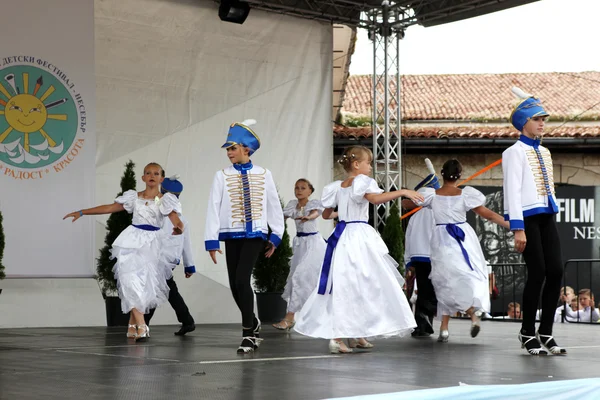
<point x="234" y="11"/>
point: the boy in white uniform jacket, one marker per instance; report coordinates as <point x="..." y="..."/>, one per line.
<point x="176" y="248"/>
<point x="243" y="205"/>
<point x="417" y="253"/>
<point x="530" y="205"/>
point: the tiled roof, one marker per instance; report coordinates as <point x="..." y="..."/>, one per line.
<point x="482" y="97"/>
<point x="476" y="131"/>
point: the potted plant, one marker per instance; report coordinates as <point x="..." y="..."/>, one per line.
<point x="393" y="236"/>
<point x="2" y="275"/>
<point x="270" y="275"/>
<point x="116" y="223"/>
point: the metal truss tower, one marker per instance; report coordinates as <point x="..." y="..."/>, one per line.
<point x="386" y="31"/>
<point x="386" y="23"/>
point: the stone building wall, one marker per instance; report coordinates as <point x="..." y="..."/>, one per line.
<point x="569" y="168"/>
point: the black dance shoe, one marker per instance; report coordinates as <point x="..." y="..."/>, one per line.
<point x="185" y="329"/>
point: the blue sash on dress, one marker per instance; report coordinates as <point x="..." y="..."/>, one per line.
<point x="303" y="234"/>
<point x="147" y="227"/>
<point x="457" y="233"/>
<point x="332" y="242"/>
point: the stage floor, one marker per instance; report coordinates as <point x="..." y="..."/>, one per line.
<point x="99" y="363"/>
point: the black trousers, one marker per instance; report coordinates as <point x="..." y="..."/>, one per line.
<point x="241" y="255"/>
<point x="426" y="305"/>
<point x="544" y="270"/>
<point x="176" y="301"/>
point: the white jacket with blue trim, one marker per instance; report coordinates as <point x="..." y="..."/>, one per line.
<point x="528" y="182"/>
<point x="178" y="248"/>
<point x="243" y="204"/>
<point x="417" y="242"/>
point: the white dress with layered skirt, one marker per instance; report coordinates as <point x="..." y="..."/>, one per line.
<point x="141" y="277"/>
<point x="459" y="283"/>
<point x="309" y="251"/>
<point x="361" y="294"/>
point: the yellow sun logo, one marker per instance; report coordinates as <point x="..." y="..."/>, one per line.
<point x="29" y="134"/>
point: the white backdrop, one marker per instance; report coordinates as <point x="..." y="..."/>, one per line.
<point x="170" y="79"/>
<point x="47" y="136"/>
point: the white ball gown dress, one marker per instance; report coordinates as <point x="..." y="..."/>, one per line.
<point x="309" y="252"/>
<point x="141" y="277"/>
<point x="458" y="267"/>
<point x="359" y="294"/>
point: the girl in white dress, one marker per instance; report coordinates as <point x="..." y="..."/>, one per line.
<point x="458" y="268"/>
<point x="309" y="251"/>
<point x="141" y="278"/>
<point x="359" y="292"/>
